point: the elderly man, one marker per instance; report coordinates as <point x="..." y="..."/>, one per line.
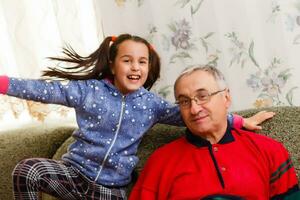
<point x="214" y="161"/>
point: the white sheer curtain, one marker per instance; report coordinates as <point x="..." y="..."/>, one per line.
<point x="31" y="31"/>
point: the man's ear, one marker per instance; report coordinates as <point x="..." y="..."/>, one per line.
<point x="227" y="99"/>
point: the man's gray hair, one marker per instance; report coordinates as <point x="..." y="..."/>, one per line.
<point x="217" y="74"/>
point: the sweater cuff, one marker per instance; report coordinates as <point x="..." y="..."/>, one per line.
<point x="4" y="81"/>
<point x="238" y="121"/>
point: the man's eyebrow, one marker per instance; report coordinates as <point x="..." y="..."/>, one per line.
<point x="201" y="89"/>
<point x="182" y="95"/>
<point x="198" y="90"/>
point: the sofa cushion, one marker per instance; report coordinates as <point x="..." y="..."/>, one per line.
<point x="26" y="142"/>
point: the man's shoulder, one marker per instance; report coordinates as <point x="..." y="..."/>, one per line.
<point x="262" y="141"/>
<point x="170" y="148"/>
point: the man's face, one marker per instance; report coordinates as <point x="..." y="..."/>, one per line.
<point x="210" y="116"/>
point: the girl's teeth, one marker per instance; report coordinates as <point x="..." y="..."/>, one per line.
<point x="133" y="77"/>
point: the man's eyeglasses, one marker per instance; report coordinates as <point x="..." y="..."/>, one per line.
<point x="202" y="96"/>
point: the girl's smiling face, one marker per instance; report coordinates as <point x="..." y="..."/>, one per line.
<point x="131" y="66"/>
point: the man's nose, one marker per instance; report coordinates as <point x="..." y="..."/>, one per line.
<point x="195" y="108"/>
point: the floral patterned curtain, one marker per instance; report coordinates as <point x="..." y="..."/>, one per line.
<point x="255" y="43"/>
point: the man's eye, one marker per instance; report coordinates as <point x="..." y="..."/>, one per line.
<point x="201" y="96"/>
<point x="184" y="101"/>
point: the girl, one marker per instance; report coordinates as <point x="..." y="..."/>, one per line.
<point x="109" y="92"/>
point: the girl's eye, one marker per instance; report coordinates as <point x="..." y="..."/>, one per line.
<point x="143" y="61"/>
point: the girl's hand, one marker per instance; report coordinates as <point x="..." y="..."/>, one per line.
<point x="252" y="123"/>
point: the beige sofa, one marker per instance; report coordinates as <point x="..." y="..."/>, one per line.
<point x="52" y="141"/>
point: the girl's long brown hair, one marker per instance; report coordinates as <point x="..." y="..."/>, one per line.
<point x="97" y="64"/>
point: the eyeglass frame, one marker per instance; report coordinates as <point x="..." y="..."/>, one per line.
<point x="197" y="100"/>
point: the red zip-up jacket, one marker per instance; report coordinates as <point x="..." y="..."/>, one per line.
<point x="243" y="165"/>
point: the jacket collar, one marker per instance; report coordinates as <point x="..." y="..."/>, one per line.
<point x="201" y="142"/>
<point x="115" y="92"/>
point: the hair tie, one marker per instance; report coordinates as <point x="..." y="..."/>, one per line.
<point x="114" y="38"/>
<point x="151" y="47"/>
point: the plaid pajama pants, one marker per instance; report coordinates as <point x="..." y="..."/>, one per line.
<point x="58" y="179"/>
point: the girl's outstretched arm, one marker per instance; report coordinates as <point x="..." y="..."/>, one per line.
<point x="70" y="94"/>
<point x="170" y="114"/>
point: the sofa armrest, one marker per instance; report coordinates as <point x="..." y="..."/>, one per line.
<point x="27" y="142"/>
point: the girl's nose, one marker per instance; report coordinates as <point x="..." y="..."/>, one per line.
<point x="135" y="66"/>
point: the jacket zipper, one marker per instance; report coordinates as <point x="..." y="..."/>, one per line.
<point x="114" y="140"/>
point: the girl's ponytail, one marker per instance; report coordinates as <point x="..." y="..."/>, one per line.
<point x="154" y="68"/>
<point x="94" y="66"/>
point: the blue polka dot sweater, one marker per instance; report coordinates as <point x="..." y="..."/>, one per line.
<point x="110" y="125"/>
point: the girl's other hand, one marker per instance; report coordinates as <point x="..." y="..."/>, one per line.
<point x="252" y="123"/>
